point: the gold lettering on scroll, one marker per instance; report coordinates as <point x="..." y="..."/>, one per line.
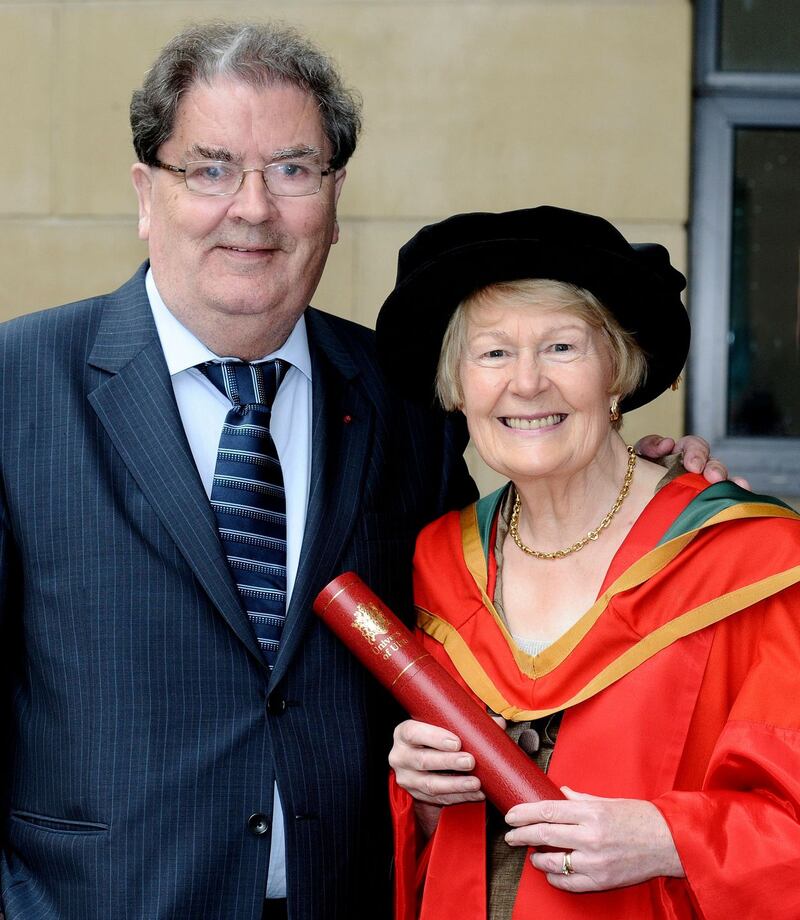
<point x="371" y="623"/>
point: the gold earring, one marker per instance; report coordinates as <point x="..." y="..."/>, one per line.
<point x="613" y="412"/>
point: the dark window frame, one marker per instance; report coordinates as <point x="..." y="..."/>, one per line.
<point x="725" y="101"/>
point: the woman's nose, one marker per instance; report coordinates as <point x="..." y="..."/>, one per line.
<point x="526" y="377"/>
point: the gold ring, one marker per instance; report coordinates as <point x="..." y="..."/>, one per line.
<point x="566" y="864"/>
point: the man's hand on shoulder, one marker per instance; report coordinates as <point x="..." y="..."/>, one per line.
<point x="696" y="456"/>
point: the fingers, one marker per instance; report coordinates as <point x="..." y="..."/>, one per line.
<point x="653" y="446"/>
<point x="710" y="468"/>
<point x="573" y="796"/>
<point x="441" y="789"/>
<point x="421" y="734"/>
<point x="550" y="836"/>
<point x="713" y="471"/>
<point x="696" y="456"/>
<point x="559" y="854"/>
<point x="741" y="481"/>
<point x="556" y="862"/>
<point x="565" y="869"/>
<point x="429" y="764"/>
<point x="613" y="842"/>
<point x="560" y="831"/>
<point x="550" y="811"/>
<point x="695" y="451"/>
<point x="694" y="446"/>
<point x="545" y="824"/>
<point x="697" y="459"/>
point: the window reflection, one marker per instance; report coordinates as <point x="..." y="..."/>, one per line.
<point x="764" y="328"/>
<point x="759" y="36"/>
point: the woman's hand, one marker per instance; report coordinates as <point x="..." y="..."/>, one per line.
<point x="419" y="754"/>
<point x="428" y="763"/>
<point x="696" y="456"/>
<point x="611" y="842"/>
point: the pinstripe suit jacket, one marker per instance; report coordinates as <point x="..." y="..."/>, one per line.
<point x="140" y="727"/>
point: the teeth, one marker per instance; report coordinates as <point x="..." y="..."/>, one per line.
<point x="530" y="424"/>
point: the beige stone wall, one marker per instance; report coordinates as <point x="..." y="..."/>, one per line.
<point x="468" y="105"/>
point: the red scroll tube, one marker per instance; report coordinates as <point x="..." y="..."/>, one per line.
<point x="421" y="685"/>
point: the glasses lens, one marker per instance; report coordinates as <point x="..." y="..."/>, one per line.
<point x="213" y="177"/>
<point x="292" y="178"/>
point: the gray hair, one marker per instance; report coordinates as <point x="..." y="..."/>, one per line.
<point x="256" y="53"/>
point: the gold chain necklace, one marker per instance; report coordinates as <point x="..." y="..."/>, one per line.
<point x="513" y="527"/>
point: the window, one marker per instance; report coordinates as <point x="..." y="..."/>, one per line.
<point x="745" y="239"/>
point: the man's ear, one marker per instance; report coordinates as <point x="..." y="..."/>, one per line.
<point x="338" y="182"/>
<point x="142" y="178"/>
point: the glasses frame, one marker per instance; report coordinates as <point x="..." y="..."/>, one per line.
<point x="181" y="170"/>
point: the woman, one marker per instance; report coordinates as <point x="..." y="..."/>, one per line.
<point x="641" y="637"/>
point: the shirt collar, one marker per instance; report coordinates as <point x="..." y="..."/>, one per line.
<point x="183" y="350"/>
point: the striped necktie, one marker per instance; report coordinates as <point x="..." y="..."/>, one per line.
<point x="248" y="496"/>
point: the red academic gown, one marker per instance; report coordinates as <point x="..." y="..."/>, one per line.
<point x="680" y="686"/>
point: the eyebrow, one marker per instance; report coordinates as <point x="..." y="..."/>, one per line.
<point x="500" y="334"/>
<point x="488" y="332"/>
<point x="303" y="152"/>
<point x="202" y="152"/>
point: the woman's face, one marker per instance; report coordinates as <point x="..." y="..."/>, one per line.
<point x="535" y="381"/>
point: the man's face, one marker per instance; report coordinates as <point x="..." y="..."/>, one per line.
<point x="240" y="268"/>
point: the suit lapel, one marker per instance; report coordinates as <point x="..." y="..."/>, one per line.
<point x="342" y="429"/>
<point x="136" y="406"/>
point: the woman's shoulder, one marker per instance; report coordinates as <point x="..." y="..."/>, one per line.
<point x="438" y="529"/>
<point x="699" y="504"/>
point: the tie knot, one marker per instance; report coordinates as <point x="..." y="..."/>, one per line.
<point x="247" y="384"/>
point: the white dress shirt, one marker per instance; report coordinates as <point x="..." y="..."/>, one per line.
<point x="203" y="409"/>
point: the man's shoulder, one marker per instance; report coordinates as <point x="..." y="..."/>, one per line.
<point x="347" y="345"/>
<point x="64" y="319"/>
<point x="323" y="324"/>
<point x="47" y="343"/>
<point x="63" y="316"/>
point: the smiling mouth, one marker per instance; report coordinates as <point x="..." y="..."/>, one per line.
<point x="247" y="249"/>
<point x="531" y="424"/>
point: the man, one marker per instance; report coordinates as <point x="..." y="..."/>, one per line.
<point x="148" y="726"/>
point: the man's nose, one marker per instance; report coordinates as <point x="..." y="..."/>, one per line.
<point x="253" y="202"/>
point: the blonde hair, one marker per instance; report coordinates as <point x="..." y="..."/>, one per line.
<point x="628" y="362"/>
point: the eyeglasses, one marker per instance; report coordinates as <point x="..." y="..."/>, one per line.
<point x="286" y="178"/>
